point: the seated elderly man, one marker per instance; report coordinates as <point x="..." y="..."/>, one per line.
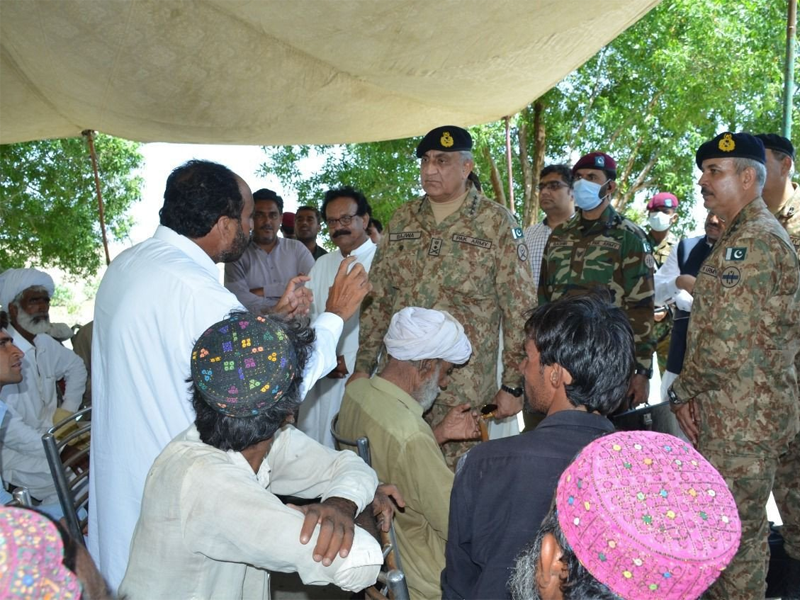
<point x="637" y="515"/>
<point x="34" y="400"/>
<point x="423" y="347"/>
<point x="211" y="524"/>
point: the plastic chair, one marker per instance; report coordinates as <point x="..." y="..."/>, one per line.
<point x="392" y="575"/>
<point x="71" y="485"/>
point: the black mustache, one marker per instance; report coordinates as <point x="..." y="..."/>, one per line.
<point x="340" y="232"/>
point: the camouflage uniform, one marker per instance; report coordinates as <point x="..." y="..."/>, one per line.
<point x="787" y="481"/>
<point x="474" y="265"/>
<point x="663" y="328"/>
<point x="739" y="369"/>
<point x="612" y="254"/>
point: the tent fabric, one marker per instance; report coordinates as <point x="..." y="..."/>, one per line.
<point x="277" y="72"/>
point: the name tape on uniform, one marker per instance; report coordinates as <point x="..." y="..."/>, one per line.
<point x="708" y="270"/>
<point x="465" y="239"/>
<point x="405" y="235"/>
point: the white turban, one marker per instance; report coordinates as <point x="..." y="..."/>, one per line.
<point x="14" y="281"/>
<point x="421" y="333"/>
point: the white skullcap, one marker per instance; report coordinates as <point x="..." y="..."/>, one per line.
<point x="421" y="333"/>
<point x="14" y="281"/>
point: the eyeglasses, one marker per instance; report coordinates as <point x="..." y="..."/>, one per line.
<point x="345" y="220"/>
<point x="553" y="186"/>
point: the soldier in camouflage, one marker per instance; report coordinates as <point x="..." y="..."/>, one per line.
<point x="662" y="213"/>
<point x="457" y="251"/>
<point x="783" y="200"/>
<point x="736" y="397"/>
<point x="599" y="249"/>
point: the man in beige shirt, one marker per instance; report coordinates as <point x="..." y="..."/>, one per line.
<point x="424" y="346"/>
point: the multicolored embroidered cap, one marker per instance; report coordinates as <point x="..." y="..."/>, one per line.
<point x="648" y="516"/>
<point x="243" y="365"/>
<point x="32" y="558"/>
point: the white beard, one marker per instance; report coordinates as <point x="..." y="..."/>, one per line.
<point x="35" y="324"/>
<point x="430" y="390"/>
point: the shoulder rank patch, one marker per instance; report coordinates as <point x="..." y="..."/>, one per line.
<point x="516" y="233"/>
<point x="405" y="235"/>
<point x="735" y="253"/>
<point x="730" y="277"/>
<point x="472" y="241"/>
<point x="522" y="252"/>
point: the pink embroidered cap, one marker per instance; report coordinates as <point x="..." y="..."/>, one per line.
<point x="31" y="558"/>
<point x="648" y="516"/>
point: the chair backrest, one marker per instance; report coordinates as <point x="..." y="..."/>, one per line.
<point x="72" y="481"/>
<point x="391" y="576"/>
<point x="20" y="498"/>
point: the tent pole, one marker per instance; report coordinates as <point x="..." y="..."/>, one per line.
<point x="508" y="166"/>
<point x="788" y="76"/>
<point x="89" y="135"/>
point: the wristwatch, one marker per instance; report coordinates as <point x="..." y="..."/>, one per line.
<point x="516" y="392"/>
<point x="642" y="371"/>
<point x="673" y="398"/>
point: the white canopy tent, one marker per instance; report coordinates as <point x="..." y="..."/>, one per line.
<point x="286" y="71"/>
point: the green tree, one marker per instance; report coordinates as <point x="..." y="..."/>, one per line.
<point x="49" y="212"/>
<point x="683" y="72"/>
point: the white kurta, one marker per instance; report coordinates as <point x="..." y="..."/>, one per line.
<point x="324" y="399"/>
<point x="207" y="515"/>
<point x="32" y="404"/>
<point x="155" y="300"/>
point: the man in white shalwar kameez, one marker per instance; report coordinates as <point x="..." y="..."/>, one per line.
<point x="346" y="212"/>
<point x="155" y="300"/>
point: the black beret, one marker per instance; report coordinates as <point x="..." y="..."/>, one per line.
<point x="773" y="141"/>
<point x="445" y="139"/>
<point x="731" y="145"/>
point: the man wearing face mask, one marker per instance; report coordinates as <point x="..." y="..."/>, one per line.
<point x="599" y="249"/>
<point x="662" y="213"/>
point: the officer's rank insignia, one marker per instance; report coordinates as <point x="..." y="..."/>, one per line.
<point x="726" y="144"/>
<point x="730" y="277"/>
<point x="435" y="247"/>
<point x="446" y="140"/>
<point x="516" y="233"/>
<point x="735" y="253"/>
<point x="522" y="252"/>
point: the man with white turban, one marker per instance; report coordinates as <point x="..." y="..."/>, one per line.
<point x="34" y="400"/>
<point x="423" y="348"/>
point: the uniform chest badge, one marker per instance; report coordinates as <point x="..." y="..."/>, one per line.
<point x="730" y="277"/>
<point x="735" y="253"/>
<point x="726" y="144"/>
<point x="446" y="140"/>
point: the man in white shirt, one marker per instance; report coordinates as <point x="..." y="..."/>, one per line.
<point x="211" y="524"/>
<point x="259" y="277"/>
<point x="153" y="303"/>
<point x="34" y="400"/>
<point x="346" y="212"/>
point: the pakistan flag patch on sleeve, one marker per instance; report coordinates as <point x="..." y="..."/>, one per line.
<point x="735" y="253"/>
<point x="516" y="233"/>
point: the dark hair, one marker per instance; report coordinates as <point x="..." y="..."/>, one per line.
<point x="198" y="193"/>
<point x="265" y="194"/>
<point x="473" y="177"/>
<point x="3" y="319"/>
<point x="238" y="433"/>
<point x="563" y="171"/>
<point x="593" y="340"/>
<point x="580" y="584"/>
<point x="363" y="207"/>
<point x="314" y="209"/>
<point x="376" y="224"/>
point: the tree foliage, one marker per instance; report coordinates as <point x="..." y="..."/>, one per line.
<point x="684" y="72"/>
<point x="49" y="211"/>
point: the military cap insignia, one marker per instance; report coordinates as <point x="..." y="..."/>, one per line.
<point x="446" y="140"/>
<point x="726" y="144"/>
<point x="599" y="161"/>
<point x="735" y="253"/>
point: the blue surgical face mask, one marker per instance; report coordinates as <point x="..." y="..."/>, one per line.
<point x="587" y="194"/>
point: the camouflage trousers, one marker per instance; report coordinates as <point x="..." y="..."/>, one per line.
<point x="452" y="450"/>
<point x="787" y="496"/>
<point x="749" y="471"/>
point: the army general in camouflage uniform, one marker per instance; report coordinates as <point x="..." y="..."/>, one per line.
<point x="783" y="200"/>
<point x="599" y="249"/>
<point x="457" y="251"/>
<point x="736" y="397"/>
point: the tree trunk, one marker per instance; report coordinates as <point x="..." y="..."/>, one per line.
<point x="497" y="182"/>
<point x="531" y="169"/>
<point x="641" y="182"/>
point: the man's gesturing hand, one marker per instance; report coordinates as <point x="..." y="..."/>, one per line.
<point x="348" y="289"/>
<point x="335" y="517"/>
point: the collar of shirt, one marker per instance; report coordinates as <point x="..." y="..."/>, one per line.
<point x="577" y="418"/>
<point x="360" y="251"/>
<point x="390" y="389"/>
<point x="188" y="247"/>
<point x="20" y="342"/>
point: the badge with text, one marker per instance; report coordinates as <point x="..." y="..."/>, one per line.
<point x="405" y="235"/>
<point x="472" y="241"/>
<point x="516" y="233"/>
<point x="435" y="247"/>
<point x="730" y="277"/>
<point x="736" y="253"/>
